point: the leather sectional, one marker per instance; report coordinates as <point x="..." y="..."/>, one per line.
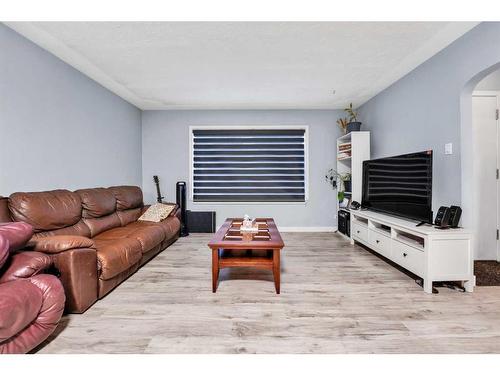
<point x="92" y="235"/>
<point x="31" y="302"/>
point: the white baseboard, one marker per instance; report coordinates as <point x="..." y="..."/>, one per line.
<point x="307" y="229"/>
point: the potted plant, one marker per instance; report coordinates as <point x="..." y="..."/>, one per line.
<point x="342" y="123"/>
<point x="350" y="123"/>
<point x="344" y="180"/>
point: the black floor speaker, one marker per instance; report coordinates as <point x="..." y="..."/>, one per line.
<point x="201" y="221"/>
<point x="180" y="195"/>
<point x="344" y="222"/>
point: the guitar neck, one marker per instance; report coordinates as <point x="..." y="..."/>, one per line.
<point x="159" y="197"/>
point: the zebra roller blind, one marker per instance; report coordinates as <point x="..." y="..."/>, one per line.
<point x="249" y="165"/>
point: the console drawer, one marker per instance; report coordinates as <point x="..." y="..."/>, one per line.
<point x="359" y="231"/>
<point x="380" y="243"/>
<point x="408" y="257"/>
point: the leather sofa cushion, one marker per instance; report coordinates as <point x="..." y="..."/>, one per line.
<point x="165" y="226"/>
<point x="127" y="197"/>
<point x="129" y="216"/>
<point x="105" y="286"/>
<point x="17" y="233"/>
<point x="97" y="202"/>
<point x="170" y="226"/>
<point x="46" y="210"/>
<point x="149" y="236"/>
<point x="57" y="244"/>
<point x="24" y="264"/>
<point x="79" y="229"/>
<point x="20" y="303"/>
<point x="101" y="224"/>
<point x="115" y="233"/>
<point x="117" y="255"/>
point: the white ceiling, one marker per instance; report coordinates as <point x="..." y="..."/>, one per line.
<point x="243" y="65"/>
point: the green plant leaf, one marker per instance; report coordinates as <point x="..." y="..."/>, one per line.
<point x="340" y="196"/>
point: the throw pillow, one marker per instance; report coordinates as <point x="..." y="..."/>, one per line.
<point x="157" y="212"/>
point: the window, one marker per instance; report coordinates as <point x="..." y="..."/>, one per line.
<point x="249" y="164"/>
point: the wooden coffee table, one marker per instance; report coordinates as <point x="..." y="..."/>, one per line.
<point x="229" y="241"/>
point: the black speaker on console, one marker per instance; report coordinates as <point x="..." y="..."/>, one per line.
<point x="180" y="195"/>
<point x="455" y="214"/>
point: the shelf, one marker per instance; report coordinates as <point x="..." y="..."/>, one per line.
<point x="250" y="261"/>
<point x="380" y="228"/>
<point x="345" y="137"/>
<point x="359" y="220"/>
<point x="356" y="149"/>
<point x="344" y="147"/>
<point x="345" y="158"/>
<point x="409" y="239"/>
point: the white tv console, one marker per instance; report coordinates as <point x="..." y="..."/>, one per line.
<point x="431" y="253"/>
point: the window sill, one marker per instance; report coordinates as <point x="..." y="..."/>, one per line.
<point x="248" y="203"/>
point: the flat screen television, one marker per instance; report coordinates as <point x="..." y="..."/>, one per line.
<point x="399" y="185"/>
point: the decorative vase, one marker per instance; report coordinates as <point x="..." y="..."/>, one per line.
<point x="353" y="127"/>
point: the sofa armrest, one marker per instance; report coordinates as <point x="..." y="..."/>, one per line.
<point x="59" y="244"/>
<point x="78" y="274"/>
<point x="17" y="233"/>
<point x="176" y="211"/>
<point x="20" y="303"/>
<point x="25" y="264"/>
<point x="31" y="311"/>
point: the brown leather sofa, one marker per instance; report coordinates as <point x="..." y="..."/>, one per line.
<point x="92" y="236"/>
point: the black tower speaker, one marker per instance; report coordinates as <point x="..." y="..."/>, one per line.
<point x="180" y="195"/>
<point x="344" y="222"/>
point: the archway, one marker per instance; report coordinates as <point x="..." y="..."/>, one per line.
<point x="469" y="163"/>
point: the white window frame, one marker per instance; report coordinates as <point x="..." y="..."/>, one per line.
<point x="249" y="127"/>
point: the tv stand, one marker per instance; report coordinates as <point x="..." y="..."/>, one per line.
<point x="430" y="253"/>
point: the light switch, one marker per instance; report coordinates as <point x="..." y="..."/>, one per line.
<point x="448" y="148"/>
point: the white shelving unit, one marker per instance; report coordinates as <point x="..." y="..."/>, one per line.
<point x="351" y="159"/>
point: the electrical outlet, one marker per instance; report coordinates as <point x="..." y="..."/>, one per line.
<point x="448" y="148"/>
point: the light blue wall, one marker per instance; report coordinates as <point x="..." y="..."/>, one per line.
<point x="432" y="106"/>
<point x="58" y="128"/>
<point x="165" y="137"/>
<point x="491" y="82"/>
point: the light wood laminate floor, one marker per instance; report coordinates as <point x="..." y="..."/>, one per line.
<point x="335" y="298"/>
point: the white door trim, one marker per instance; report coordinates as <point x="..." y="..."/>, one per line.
<point x="495" y="94"/>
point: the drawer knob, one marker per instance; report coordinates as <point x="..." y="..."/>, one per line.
<point x="377" y="241"/>
<point x="404" y="254"/>
<point x="357" y="231"/>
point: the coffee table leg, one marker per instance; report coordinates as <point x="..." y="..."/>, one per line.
<point x="276" y="269"/>
<point x="215" y="269"/>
